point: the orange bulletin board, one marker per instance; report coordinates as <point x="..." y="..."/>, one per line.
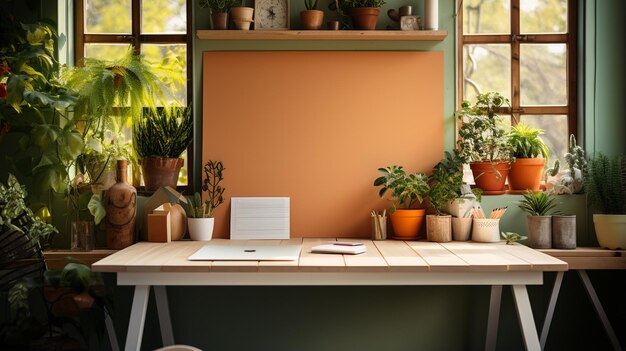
<point x="316" y="126"/>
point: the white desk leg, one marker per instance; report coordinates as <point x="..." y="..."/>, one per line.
<point x="494" y="317"/>
<point x="163" y="309"/>
<point x="525" y="316"/>
<point x="137" y="318"/>
<point x="111" y="331"/>
<point x="550" y="313"/>
<point x="599" y="310"/>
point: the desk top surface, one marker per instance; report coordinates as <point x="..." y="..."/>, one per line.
<point x="381" y="256"/>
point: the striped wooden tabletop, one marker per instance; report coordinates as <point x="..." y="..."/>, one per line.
<point x="381" y="256"/>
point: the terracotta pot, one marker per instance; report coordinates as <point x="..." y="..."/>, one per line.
<point x="526" y="174"/>
<point x="364" y="18"/>
<point x="121" y="207"/>
<point x="242" y="17"/>
<point x="219" y="20"/>
<point x="159" y="171"/>
<point x="439" y="228"/>
<point x="312" y="19"/>
<point x="490" y="176"/>
<point x="406" y="224"/>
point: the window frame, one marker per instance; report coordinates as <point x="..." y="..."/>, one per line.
<point x="516" y="39"/>
<point x="136" y="39"/>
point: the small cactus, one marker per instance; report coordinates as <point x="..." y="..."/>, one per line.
<point x="310" y="4"/>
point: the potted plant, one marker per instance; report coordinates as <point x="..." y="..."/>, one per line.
<point x="219" y="12"/>
<point x="99" y="158"/>
<point x="242" y="16"/>
<point x="527" y="167"/>
<point x="443" y="188"/>
<point x="483" y="142"/>
<point x="311" y="18"/>
<point x="405" y="190"/>
<point x="539" y="206"/>
<point x="605" y="184"/>
<point x="200" y="214"/>
<point x="364" y="13"/>
<point x="160" y="137"/>
<point x="568" y="181"/>
<point x="467" y="198"/>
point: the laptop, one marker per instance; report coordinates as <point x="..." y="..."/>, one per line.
<point x="247" y="253"/>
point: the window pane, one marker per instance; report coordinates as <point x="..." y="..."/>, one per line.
<point x="555" y="134"/>
<point x="163" y="16"/>
<point x="543" y="16"/>
<point x="171" y="63"/>
<point x="486" y="67"/>
<point x="107" y="52"/>
<point x="108" y="16"/>
<point x="486" y="17"/>
<point x="543" y="74"/>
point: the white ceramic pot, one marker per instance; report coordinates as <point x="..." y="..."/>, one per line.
<point x="461" y="228"/>
<point x="200" y="229"/>
<point x="461" y="207"/>
<point x="610" y="230"/>
<point x="486" y="230"/>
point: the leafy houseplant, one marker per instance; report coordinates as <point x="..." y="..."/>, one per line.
<point x="364" y="13"/>
<point x="311" y="18"/>
<point x="200" y="214"/>
<point x="405" y="189"/>
<point x="444" y="187"/>
<point x="539" y="205"/>
<point x="511" y="237"/>
<point x="160" y="137"/>
<point x="605" y="184"/>
<point x="527" y="168"/>
<point x="219" y="11"/>
<point x="483" y="141"/>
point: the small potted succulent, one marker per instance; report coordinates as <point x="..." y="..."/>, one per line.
<point x="200" y="214"/>
<point x="605" y="184"/>
<point x="160" y="137"/>
<point x="484" y="142"/>
<point x="311" y="18"/>
<point x="527" y="168"/>
<point x="539" y="206"/>
<point x="219" y="12"/>
<point x="406" y="190"/>
<point x="364" y="13"/>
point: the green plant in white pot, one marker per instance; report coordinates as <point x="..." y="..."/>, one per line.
<point x="200" y="219"/>
<point x="405" y="189"/>
<point x="539" y="205"/>
<point x="605" y="184"/>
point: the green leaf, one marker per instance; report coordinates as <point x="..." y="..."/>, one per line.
<point x="44" y="134"/>
<point x="96" y="208"/>
<point x="77" y="276"/>
<point x="71" y="144"/>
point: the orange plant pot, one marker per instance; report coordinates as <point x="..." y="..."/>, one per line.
<point x="406" y="224"/>
<point x="490" y="177"/>
<point x="526" y="174"/>
<point x="364" y="18"/>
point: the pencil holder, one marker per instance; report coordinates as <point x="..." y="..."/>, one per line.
<point x="486" y="230"/>
<point x="379" y="227"/>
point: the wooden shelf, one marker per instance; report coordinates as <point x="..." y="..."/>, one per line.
<point x="389" y="35"/>
<point x="57" y="259"/>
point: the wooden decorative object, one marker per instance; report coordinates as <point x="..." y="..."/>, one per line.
<point x="121" y="207"/>
<point x="271" y="14"/>
<point x="167" y="223"/>
<point x="160" y="197"/>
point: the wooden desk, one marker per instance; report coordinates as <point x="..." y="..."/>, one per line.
<point x="581" y="260"/>
<point x="386" y="263"/>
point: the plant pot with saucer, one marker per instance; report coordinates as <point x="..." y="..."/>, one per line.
<point x="160" y="137"/>
<point x="527" y="168"/>
<point x="311" y="18"/>
<point x="539" y="206"/>
<point x="483" y="142"/>
<point x="405" y="189"/>
<point x="242" y="17"/>
<point x="200" y="219"/>
<point x="605" y="184"/>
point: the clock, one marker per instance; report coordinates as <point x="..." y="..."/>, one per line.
<point x="271" y="15"/>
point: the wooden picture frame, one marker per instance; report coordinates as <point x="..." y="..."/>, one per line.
<point x="264" y="9"/>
